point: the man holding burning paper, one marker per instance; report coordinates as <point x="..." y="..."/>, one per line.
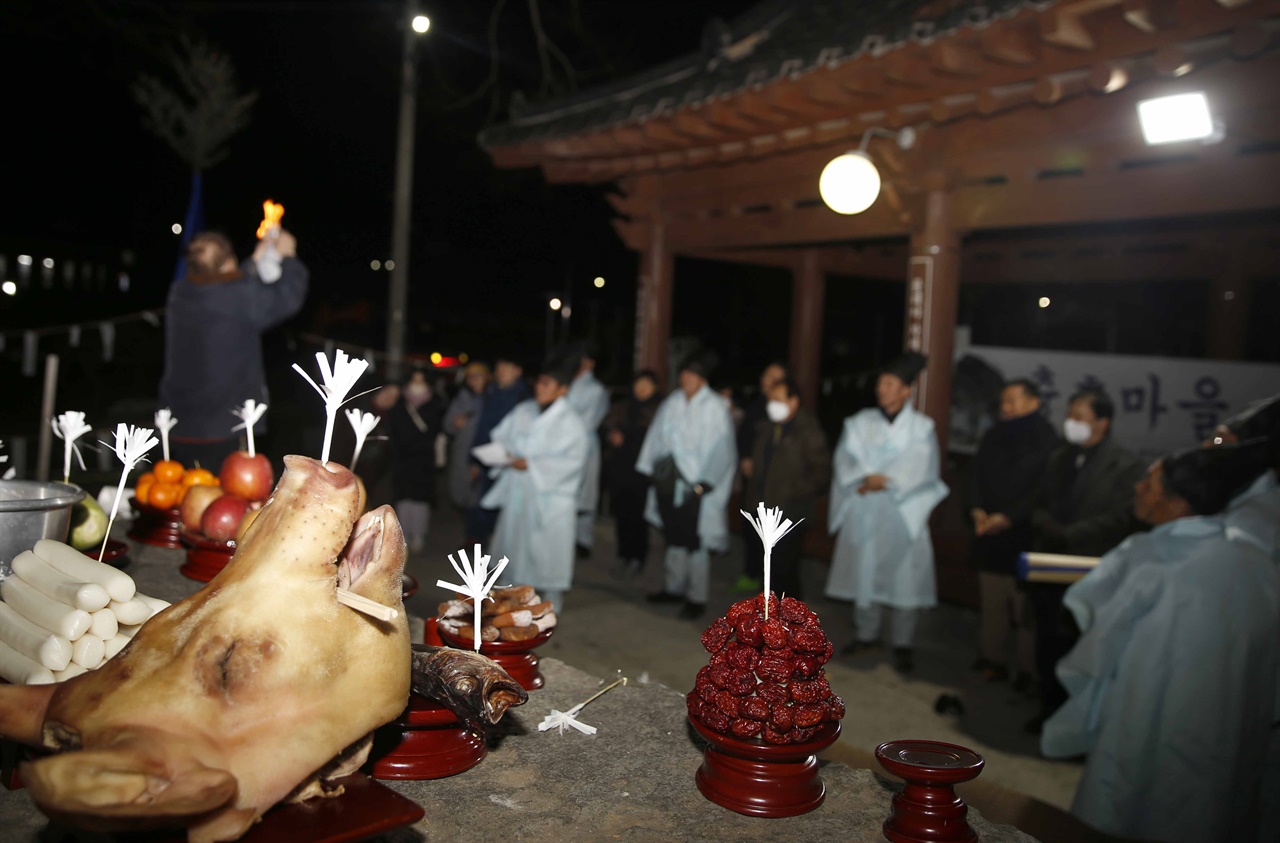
<point x="216" y="315"/>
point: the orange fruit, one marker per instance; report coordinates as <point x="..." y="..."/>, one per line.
<point x="199" y="477"/>
<point x="168" y="471"/>
<point x="142" y="488"/>
<point x="165" y="495"/>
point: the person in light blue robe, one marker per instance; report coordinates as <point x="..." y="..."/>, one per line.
<point x="1173" y="682"/>
<point x="537" y="492"/>
<point x="691" y="454"/>
<point x="590" y="400"/>
<point x="885" y="483"/>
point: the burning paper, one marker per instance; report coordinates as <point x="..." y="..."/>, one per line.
<point x="272" y="212"/>
<point x="561" y="720"/>
<point x="362" y="424"/>
<point x="132" y="444"/>
<point x="269" y="261"/>
<point x="249" y="415"/>
<point x="164" y="423"/>
<point x="69" y="427"/>
<point x="770" y="527"/>
<point x="338" y="381"/>
<point x="476" y="581"/>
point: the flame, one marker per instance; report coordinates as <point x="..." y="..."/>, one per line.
<point x="271" y="214"/>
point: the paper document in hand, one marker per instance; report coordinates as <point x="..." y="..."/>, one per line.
<point x="491" y="454"/>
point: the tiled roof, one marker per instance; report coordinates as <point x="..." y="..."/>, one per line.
<point x="775" y="40"/>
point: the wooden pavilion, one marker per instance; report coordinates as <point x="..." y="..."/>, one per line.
<point x="1025" y="117"/>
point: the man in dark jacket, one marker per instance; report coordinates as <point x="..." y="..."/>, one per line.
<point x="507" y="390"/>
<point x="752" y="417"/>
<point x="1085" y="509"/>
<point x="216" y="315"/>
<point x="791" y="469"/>
<point x="1007" y="472"/>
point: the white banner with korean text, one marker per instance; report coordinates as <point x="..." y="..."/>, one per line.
<point x="1162" y="403"/>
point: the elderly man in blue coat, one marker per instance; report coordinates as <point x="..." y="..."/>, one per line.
<point x="1172" y="684"/>
<point x="691" y="455"/>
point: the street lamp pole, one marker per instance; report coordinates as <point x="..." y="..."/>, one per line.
<point x="403" y="202"/>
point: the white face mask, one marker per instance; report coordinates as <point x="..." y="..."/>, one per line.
<point x="417" y="391"/>
<point x="1076" y="432"/>
<point x="778" y="411"/>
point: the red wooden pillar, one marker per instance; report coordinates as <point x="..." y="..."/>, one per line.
<point x="653" y="303"/>
<point x="808" y="294"/>
<point x="933" y="292"/>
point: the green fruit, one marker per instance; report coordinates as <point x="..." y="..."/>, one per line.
<point x="88" y="524"/>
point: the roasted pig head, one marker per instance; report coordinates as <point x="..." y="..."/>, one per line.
<point x="258" y="688"/>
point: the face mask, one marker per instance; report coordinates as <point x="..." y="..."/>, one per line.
<point x="778" y="411"/>
<point x="417" y="391"/>
<point x="1076" y="432"/>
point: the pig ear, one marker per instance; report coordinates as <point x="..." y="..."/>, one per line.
<point x="111" y="783"/>
<point x="22" y="709"/>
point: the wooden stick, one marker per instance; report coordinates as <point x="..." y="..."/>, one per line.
<point x="372" y="608"/>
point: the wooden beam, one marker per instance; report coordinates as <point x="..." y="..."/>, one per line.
<point x="1063" y="24"/>
<point x="634" y="235"/>
<point x="1249" y="39"/>
<point x="1108" y="77"/>
<point x="908" y="67"/>
<point x="755" y="106"/>
<point x="663" y="131"/>
<point x="1051" y="89"/>
<point x="690" y="123"/>
<point x="994" y="100"/>
<point x="808" y="225"/>
<point x="956" y="58"/>
<point x="1010" y="44"/>
<point x="723" y="115"/>
<point x="1151" y="15"/>
<point x="865" y="79"/>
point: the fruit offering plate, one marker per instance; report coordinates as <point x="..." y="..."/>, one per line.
<point x="760" y="779"/>
<point x="115" y="551"/>
<point x="515" y="657"/>
<point x="157" y="527"/>
<point x="205" y="557"/>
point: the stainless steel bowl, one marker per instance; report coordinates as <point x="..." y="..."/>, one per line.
<point x="30" y="511"/>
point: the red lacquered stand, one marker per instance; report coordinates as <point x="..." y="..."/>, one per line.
<point x="431" y="633"/>
<point x="205" y="557"/>
<point x="11" y="755"/>
<point x="515" y="657"/>
<point x="158" y="527"/>
<point x="762" y="779"/>
<point x="116" y="551"/>
<point x="427" y="742"/>
<point x="928" y="810"/>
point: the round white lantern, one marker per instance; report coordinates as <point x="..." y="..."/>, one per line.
<point x="850" y="183"/>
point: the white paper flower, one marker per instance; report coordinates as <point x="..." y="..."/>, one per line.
<point x="132" y="444"/>
<point x="476" y="581"/>
<point x="561" y="720"/>
<point x="249" y="415"/>
<point x="338" y="381"/>
<point x="164" y="423"/>
<point x="69" y="427"/>
<point x="770" y="526"/>
<point x="362" y="424"/>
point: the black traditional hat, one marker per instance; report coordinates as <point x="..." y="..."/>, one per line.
<point x="702" y="363"/>
<point x="1208" y="478"/>
<point x="906" y="367"/>
<point x="561" y="366"/>
<point x="1259" y="419"/>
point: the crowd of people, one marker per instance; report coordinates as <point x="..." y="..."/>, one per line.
<point x="1159" y="665"/>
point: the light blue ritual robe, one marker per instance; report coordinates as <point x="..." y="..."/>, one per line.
<point x="883" y="552"/>
<point x="590" y="400"/>
<point x="1254" y="515"/>
<point x="1172" y="684"/>
<point x="535" y="528"/>
<point x="698" y="434"/>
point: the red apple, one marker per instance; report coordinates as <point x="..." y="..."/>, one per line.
<point x="222" y="517"/>
<point x="249" y="477"/>
<point x="194" y="504"/>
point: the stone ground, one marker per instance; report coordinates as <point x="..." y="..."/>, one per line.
<point x="607" y="627"/>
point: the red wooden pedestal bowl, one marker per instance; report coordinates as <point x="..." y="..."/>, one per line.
<point x="116" y="551"/>
<point x="157" y="527"/>
<point x="761" y="779"/>
<point x="427" y="741"/>
<point x="928" y="810"/>
<point x="515" y="657"/>
<point x="205" y="557"/>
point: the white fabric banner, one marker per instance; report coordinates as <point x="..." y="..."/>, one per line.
<point x="1162" y="403"/>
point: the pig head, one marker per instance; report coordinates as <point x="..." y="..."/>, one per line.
<point x="257" y="688"/>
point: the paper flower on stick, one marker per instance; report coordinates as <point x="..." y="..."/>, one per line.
<point x="770" y="527"/>
<point x="362" y="424"/>
<point x="477" y="582"/>
<point x="562" y="720"/>
<point x="132" y="444"/>
<point x="338" y="381"/>
<point x="164" y="423"/>
<point x="249" y="415"/>
<point x="69" y="427"/>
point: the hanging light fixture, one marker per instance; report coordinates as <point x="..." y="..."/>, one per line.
<point x="850" y="183"/>
<point x="1175" y="118"/>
